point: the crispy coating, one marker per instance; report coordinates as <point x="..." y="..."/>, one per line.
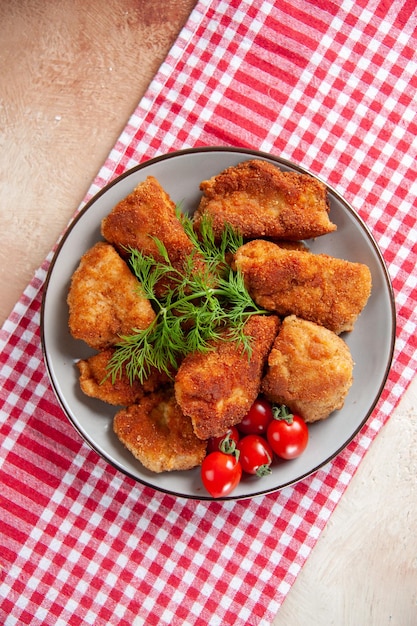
<point x="217" y="388"/>
<point x="145" y="214"/>
<point x="158" y="434"/>
<point x="292" y="245"/>
<point x="309" y="369"/>
<point x="104" y="299"/>
<point x="329" y="291"/>
<point x="260" y="200"/>
<point x="96" y="382"/>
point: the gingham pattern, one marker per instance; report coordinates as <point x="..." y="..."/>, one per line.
<point x="333" y="88"/>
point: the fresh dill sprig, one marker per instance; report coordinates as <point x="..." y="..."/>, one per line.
<point x="202" y="303"/>
<point x="213" y="250"/>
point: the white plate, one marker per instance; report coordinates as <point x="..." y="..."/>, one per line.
<point x="371" y="342"/>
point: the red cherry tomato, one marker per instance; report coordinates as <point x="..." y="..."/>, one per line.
<point x="220" y="473"/>
<point x="287" y="434"/>
<point x="257" y="419"/>
<point x="255" y="455"/>
<point x="225" y="443"/>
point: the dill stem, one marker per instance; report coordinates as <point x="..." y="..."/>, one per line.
<point x="204" y="293"/>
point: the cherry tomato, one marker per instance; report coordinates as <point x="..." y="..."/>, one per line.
<point x="225" y="443"/>
<point x="257" y="419"/>
<point x="220" y="473"/>
<point x="287" y="434"/>
<point x="255" y="455"/>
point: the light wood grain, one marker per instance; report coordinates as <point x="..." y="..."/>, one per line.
<point x="71" y="73"/>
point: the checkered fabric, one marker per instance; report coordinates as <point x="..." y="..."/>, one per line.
<point x="330" y="85"/>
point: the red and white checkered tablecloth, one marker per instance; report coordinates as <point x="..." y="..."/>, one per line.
<point x="330" y="85"/>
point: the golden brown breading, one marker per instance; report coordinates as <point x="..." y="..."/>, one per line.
<point x="309" y="369"/>
<point x="148" y="213"/>
<point x="96" y="382"/>
<point x="158" y="434"/>
<point x="104" y="299"/>
<point x="260" y="200"/>
<point x="329" y="291"/>
<point x="217" y="388"/>
<point x="292" y="245"/>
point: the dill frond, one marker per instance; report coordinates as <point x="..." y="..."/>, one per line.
<point x="201" y="306"/>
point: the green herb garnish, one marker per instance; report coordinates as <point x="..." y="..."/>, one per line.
<point x="205" y="301"/>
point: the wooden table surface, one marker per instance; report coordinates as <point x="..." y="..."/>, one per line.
<point x="70" y="76"/>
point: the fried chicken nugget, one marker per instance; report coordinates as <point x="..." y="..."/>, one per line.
<point x="329" y="291"/>
<point x="260" y="200"/>
<point x="96" y="382"/>
<point x="309" y="369"/>
<point x="217" y="388"/>
<point x="157" y="433"/>
<point x="104" y="299"/>
<point x="145" y="214"/>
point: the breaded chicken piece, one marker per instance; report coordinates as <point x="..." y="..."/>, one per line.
<point x="329" y="291"/>
<point x="96" y="382"/>
<point x="217" y="388"/>
<point x="292" y="245"/>
<point x="157" y="433"/>
<point x="104" y="299"/>
<point x="145" y="214"/>
<point x="309" y="369"/>
<point x="260" y="200"/>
